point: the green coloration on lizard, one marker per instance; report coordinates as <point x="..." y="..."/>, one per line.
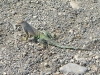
<point x="42" y="37"/>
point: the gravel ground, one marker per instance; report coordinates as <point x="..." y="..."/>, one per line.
<point x="76" y="23"/>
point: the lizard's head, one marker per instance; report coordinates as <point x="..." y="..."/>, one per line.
<point x="20" y="22"/>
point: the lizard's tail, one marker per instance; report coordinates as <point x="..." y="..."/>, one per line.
<point x="66" y="47"/>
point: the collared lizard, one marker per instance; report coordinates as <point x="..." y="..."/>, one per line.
<point x="41" y="37"/>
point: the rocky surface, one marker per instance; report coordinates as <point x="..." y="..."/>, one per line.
<point x="76" y="23"/>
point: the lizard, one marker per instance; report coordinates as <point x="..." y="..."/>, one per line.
<point x="38" y="36"/>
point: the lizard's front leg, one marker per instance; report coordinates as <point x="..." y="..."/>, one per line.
<point x="45" y="43"/>
<point x="35" y="39"/>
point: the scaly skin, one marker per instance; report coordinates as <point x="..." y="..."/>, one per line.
<point x="41" y="37"/>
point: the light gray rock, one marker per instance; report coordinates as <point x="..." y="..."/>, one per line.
<point x="73" y="68"/>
